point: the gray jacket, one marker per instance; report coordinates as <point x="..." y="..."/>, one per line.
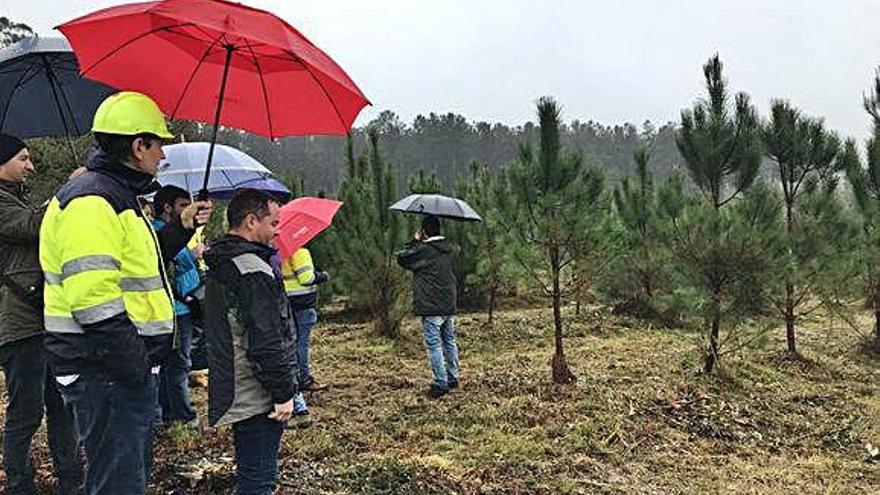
<point x="251" y="342"/>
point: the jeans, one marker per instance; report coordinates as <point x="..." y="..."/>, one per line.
<point x="305" y="320"/>
<point x="257" y="441"/>
<point x="114" y="424"/>
<point x="174" y="377"/>
<point x="444" y="361"/>
<point x="299" y="404"/>
<point x="30" y="387"/>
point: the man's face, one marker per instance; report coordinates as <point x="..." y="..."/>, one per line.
<point x="147" y="153"/>
<point x="18" y="167"/>
<point x="180" y="204"/>
<point x="266" y="229"/>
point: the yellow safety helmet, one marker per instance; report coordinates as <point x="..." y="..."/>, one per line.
<point x="129" y="113"/>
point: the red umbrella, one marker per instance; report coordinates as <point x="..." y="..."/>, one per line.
<point x="301" y="220"/>
<point x="218" y="62"/>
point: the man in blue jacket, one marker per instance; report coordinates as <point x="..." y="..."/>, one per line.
<point x="168" y="204"/>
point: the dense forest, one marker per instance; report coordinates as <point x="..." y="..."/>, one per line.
<point x="446" y="144"/>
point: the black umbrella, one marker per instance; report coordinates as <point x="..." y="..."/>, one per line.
<point x="42" y="93"/>
<point x="437" y="205"/>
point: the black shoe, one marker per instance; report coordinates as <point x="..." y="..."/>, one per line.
<point x="453" y="384"/>
<point x="436" y="392"/>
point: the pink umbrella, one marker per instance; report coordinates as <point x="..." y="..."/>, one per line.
<point x="301" y="220"/>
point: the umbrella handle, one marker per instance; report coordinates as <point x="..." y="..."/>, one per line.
<point x="204" y="191"/>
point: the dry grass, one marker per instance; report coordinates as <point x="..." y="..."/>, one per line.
<point x="640" y="420"/>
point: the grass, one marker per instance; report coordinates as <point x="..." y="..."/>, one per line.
<point x="640" y="420"/>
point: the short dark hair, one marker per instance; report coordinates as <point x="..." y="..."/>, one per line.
<point x="168" y="195"/>
<point x="118" y="146"/>
<point x="246" y="202"/>
<point x="431" y="226"/>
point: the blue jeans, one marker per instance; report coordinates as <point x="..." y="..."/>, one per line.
<point x="305" y="320"/>
<point x="114" y="424"/>
<point x="30" y="388"/>
<point x="174" y="377"/>
<point x="257" y="441"/>
<point x="444" y="360"/>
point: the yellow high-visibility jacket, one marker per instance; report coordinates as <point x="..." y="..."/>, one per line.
<point x="301" y="280"/>
<point x="108" y="303"/>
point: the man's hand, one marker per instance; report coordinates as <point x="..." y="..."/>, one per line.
<point x="282" y="412"/>
<point x="198" y="251"/>
<point x="196" y="214"/>
<point x="419" y="235"/>
<point x="77" y="172"/>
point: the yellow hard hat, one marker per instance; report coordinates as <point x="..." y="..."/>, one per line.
<point x="128" y="113"/>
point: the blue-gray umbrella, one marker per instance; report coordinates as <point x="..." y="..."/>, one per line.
<point x="233" y="169"/>
<point x="42" y="93"/>
<point x="437" y="205"/>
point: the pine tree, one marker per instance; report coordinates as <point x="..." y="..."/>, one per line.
<point x="551" y="204"/>
<point x="722" y="154"/>
<point x="484" y="269"/>
<point x="639" y="273"/>
<point x="365" y="235"/>
<point x="12" y="32"/>
<point x="865" y="182"/>
<point x="805" y="153"/>
<point x="423" y="183"/>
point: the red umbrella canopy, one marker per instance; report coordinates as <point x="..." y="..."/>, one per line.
<point x="301" y="220"/>
<point x="175" y="51"/>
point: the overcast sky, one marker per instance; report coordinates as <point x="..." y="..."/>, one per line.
<point x="611" y="61"/>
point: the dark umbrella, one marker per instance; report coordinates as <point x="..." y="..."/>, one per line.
<point x="437" y="205"/>
<point x="222" y="63"/>
<point x="42" y="93"/>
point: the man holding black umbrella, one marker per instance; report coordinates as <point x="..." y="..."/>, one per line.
<point x="430" y="256"/>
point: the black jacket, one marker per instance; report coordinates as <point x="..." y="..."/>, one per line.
<point x="433" y="276"/>
<point x="251" y="343"/>
<point x="113" y="345"/>
<point x="21" y="283"/>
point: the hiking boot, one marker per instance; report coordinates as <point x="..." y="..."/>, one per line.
<point x="436" y="392"/>
<point x="313" y="386"/>
<point x="453" y="384"/>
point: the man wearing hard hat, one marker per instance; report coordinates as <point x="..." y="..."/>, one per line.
<point x="108" y="311"/>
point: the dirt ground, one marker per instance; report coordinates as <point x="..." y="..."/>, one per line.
<point x="640" y="420"/>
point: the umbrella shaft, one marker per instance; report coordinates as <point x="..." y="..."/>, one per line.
<point x="203" y="194"/>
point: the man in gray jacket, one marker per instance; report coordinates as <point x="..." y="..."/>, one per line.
<point x="430" y="256"/>
<point x="251" y="341"/>
<point x="29" y="386"/>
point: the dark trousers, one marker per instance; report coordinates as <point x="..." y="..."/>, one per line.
<point x="31" y="388"/>
<point x="199" y="352"/>
<point x="174" y="377"/>
<point x="114" y="423"/>
<point x="257" y="441"/>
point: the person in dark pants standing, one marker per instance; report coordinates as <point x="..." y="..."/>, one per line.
<point x="29" y="386"/>
<point x="251" y="340"/>
<point x="108" y="311"/>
